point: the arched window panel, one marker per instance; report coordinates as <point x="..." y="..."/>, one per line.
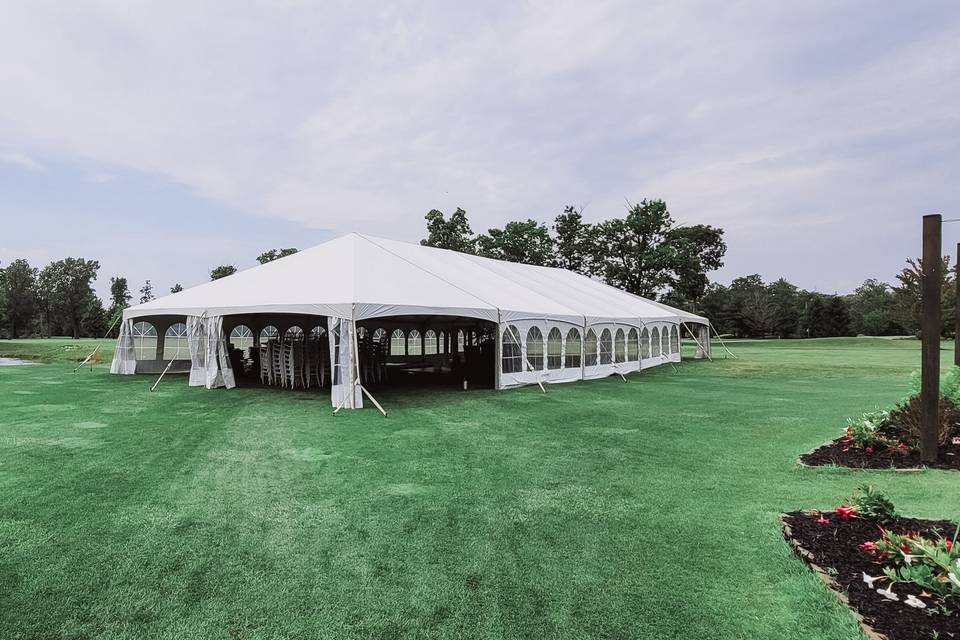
<point x="269" y="334"/>
<point x="571" y="359"/>
<point x="511" y="352"/>
<point x="535" y="348"/>
<point x="398" y="343"/>
<point x="175" y="345"/>
<point x="441" y="342"/>
<point x="380" y="335"/>
<point x="144" y="341"/>
<point x="645" y="343"/>
<point x="620" y="346"/>
<point x="555" y="349"/>
<point x="430" y="343"/>
<point x="461" y="341"/>
<point x="665" y="341"/>
<point x="655" y="343"/>
<point x="675" y="340"/>
<point x="414" y="343"/>
<point x="319" y="332"/>
<point x="633" y="347"/>
<point x="590" y="349"/>
<point x="606" y="347"/>
<point x="362" y="333"/>
<point x="294" y="333"/>
<point x="241" y="337"/>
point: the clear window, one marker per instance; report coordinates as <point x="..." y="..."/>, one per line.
<point x="555" y="349"/>
<point x="511" y="355"/>
<point x="293" y="333"/>
<point x="430" y="342"/>
<point x="398" y="343"/>
<point x="414" y="343"/>
<point x="175" y="346"/>
<point x="655" y="343"/>
<point x="645" y="343"/>
<point x="441" y="342"/>
<point x="590" y="349"/>
<point x="572" y="358"/>
<point x="241" y="337"/>
<point x="380" y="335"/>
<point x="633" y="349"/>
<point x="675" y="340"/>
<point x="269" y="334"/>
<point x="606" y="347"/>
<point x="461" y="341"/>
<point x="620" y="346"/>
<point x="317" y="333"/>
<point x="535" y="348"/>
<point x="144" y="341"/>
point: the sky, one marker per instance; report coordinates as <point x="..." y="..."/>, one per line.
<point x="163" y="139"/>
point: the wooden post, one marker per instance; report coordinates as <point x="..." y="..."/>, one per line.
<point x="956" y="311"/>
<point x="930" y="337"/>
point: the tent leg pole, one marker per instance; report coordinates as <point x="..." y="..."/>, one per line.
<point x="372" y="399"/>
<point x="722" y="343"/>
<point x="705" y="351"/>
<point x="165" y="369"/>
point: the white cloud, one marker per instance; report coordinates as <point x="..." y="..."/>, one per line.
<point x="21" y="160"/>
<point x="749" y="115"/>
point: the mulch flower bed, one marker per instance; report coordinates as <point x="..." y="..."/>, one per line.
<point x="830" y="545"/>
<point x="839" y="452"/>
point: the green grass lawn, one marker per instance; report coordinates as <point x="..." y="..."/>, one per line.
<point x="598" y="510"/>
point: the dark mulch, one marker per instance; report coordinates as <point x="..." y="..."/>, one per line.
<point x="833" y="453"/>
<point x="833" y="548"/>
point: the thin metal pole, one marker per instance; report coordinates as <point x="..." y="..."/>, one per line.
<point x="930" y="337"/>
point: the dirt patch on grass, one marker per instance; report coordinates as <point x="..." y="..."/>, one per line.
<point x="839" y="453"/>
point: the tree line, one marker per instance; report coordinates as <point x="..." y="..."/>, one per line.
<point x="59" y="299"/>
<point x="644" y="252"/>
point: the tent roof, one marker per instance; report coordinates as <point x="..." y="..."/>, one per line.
<point x="361" y="276"/>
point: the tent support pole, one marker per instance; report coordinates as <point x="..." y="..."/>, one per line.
<point x="97" y="348"/>
<point x="356" y="359"/>
<point x="722" y="342"/>
<point x="705" y="351"/>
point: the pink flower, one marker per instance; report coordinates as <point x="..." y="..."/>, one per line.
<point x="846" y="512"/>
<point x="867" y="546"/>
<point x="901" y="446"/>
<point x="822" y="520"/>
<point x="869" y="450"/>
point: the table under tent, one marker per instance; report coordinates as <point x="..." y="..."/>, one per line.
<point x="360" y="313"/>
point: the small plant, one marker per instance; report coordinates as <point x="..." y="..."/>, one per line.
<point x="873" y="503"/>
<point x="867" y="430"/>
<point x="933" y="565"/>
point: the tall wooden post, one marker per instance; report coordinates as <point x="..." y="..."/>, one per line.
<point x="930" y="337"/>
<point x="956" y="310"/>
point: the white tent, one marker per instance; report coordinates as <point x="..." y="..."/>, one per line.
<point x="552" y="325"/>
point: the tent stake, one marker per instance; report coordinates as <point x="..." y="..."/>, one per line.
<point x="97" y="348"/>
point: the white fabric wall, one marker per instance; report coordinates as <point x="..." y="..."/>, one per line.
<point x="209" y="362"/>
<point x="342" y="365"/>
<point x="124" y="358"/>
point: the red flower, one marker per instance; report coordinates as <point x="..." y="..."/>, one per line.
<point x="901" y="446"/>
<point x="948" y="544"/>
<point x="867" y="546"/>
<point x="869" y="450"/>
<point x="822" y="520"/>
<point x="846" y="512"/>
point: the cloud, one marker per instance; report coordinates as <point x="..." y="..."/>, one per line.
<point x="21" y="160"/>
<point x="757" y="117"/>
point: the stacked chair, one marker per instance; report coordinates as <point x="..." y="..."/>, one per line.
<point x="293" y="363"/>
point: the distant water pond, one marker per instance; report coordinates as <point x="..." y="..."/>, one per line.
<point x="9" y="362"/>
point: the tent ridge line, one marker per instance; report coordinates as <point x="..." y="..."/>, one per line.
<point x="427" y="271"/>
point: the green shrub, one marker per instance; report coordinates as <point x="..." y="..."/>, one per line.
<point x="873" y="503"/>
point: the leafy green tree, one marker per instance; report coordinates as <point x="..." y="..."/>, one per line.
<point x="872" y="310"/>
<point x="814" y="322"/>
<point x="573" y="244"/>
<point x="907" y="296"/>
<point x="177" y="288"/>
<point x="645" y="253"/>
<point x="753" y="306"/>
<point x="69" y="295"/>
<point x="20" y="295"/>
<point x="837" y="317"/>
<point x="785" y="300"/>
<point x="528" y="242"/>
<point x="3" y="295"/>
<point x="119" y="300"/>
<point x="717" y="305"/>
<point x="146" y="292"/>
<point x="222" y="271"/>
<point x="275" y="254"/>
<point x="454" y="234"/>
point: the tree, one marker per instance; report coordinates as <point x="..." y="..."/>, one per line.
<point x="751" y="301"/>
<point x="644" y="253"/>
<point x="20" y="293"/>
<point x="907" y="296"/>
<point x="177" y="288"/>
<point x="718" y="307"/>
<point x="119" y="298"/>
<point x="69" y="296"/>
<point x="454" y="234"/>
<point x="222" y="271"/>
<point x="275" y="254"/>
<point x="814" y="319"/>
<point x="528" y="242"/>
<point x="785" y="300"/>
<point x="872" y="310"/>
<point x="146" y="292"/>
<point x="837" y="317"/>
<point x="573" y="242"/>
